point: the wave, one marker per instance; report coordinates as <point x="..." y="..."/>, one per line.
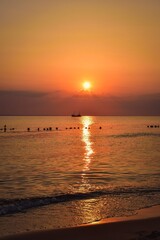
<point x="132" y="135"/>
<point x="12" y="206"/>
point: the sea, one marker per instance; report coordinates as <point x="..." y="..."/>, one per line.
<point x="69" y="171"/>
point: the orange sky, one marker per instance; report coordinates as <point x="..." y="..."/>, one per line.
<point x="55" y="45"/>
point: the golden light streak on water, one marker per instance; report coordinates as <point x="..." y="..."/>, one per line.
<point x="88" y="150"/>
<point x="89" y="213"/>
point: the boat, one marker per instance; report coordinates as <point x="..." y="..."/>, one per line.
<point x="76" y="115"/>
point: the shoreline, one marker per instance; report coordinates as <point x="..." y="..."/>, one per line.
<point x="144" y="225"/>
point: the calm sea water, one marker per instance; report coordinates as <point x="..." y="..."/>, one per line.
<point x="81" y="170"/>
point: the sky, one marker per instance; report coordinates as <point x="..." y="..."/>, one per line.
<point x="49" y="48"/>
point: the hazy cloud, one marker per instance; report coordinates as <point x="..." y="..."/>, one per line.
<point x="61" y="103"/>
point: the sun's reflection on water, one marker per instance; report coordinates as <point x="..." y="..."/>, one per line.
<point x="86" y="206"/>
<point x="88" y="151"/>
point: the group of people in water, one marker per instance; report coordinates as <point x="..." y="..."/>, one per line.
<point x="5" y="129"/>
<point x="153" y="126"/>
<point x="43" y="129"/>
<point x="50" y="128"/>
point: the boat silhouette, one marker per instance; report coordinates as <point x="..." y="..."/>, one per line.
<point x="76" y="115"/>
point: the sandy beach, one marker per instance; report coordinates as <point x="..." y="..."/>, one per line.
<point x="142" y="226"/>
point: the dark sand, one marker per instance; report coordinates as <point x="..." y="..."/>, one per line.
<point x="144" y="225"/>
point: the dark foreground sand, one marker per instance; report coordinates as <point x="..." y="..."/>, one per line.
<point x="143" y="226"/>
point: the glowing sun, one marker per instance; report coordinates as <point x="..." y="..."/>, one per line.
<point x="86" y="86"/>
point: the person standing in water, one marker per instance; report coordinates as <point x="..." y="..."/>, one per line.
<point x="5" y="128"/>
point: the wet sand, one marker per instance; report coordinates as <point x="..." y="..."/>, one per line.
<point x="142" y="226"/>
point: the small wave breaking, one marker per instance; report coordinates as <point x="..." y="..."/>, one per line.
<point x="138" y="134"/>
<point x="12" y="206"/>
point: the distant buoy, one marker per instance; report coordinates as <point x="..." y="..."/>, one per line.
<point x="28" y="129"/>
<point x="100" y="127"/>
